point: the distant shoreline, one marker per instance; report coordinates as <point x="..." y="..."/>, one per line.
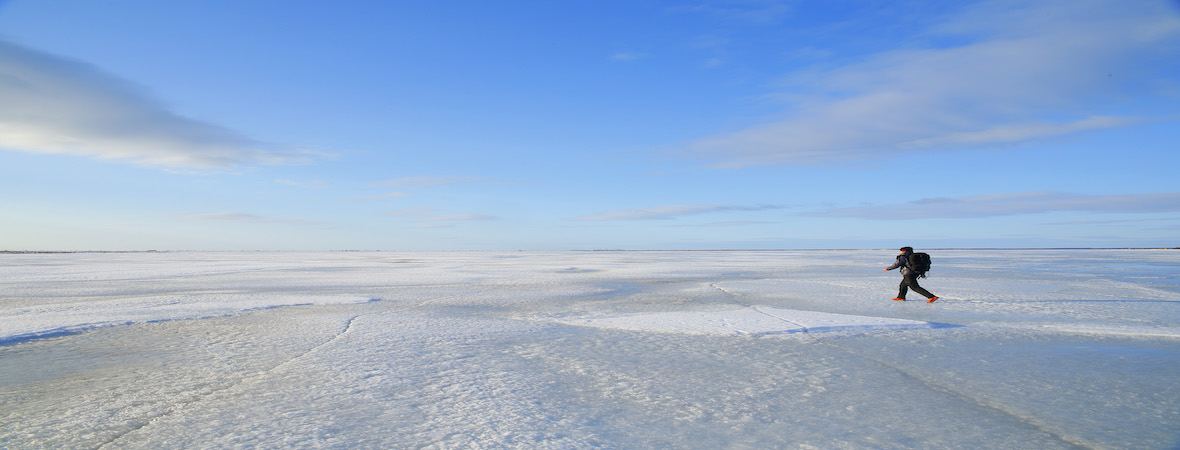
<point x="57" y="252"/>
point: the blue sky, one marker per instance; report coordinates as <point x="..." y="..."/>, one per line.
<point x="473" y="125"/>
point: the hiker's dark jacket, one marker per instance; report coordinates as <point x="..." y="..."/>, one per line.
<point x="902" y="259"/>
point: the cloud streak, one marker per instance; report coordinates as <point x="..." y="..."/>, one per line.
<point x="313" y="184"/>
<point x="669" y="212"/>
<point x="1013" y="204"/>
<point x="428" y="217"/>
<point x="1027" y="71"/>
<point x="448" y="220"/>
<point x="385" y="196"/>
<point x="240" y="217"/>
<point x="53" y="104"/>
<point x="758" y="12"/>
<point x="434" y="181"/>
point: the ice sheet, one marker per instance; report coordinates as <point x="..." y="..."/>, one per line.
<point x="59" y="318"/>
<point x="758" y="320"/>
<point x="1025" y="349"/>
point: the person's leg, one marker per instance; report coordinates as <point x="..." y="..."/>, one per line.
<point x="912" y="281"/>
<point x="902" y="289"/>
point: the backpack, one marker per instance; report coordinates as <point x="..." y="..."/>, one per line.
<point x="918" y="263"/>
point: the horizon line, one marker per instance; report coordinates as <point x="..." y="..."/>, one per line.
<point x="25" y="252"/>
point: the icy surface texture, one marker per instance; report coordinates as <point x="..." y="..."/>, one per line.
<point x="1024" y="349"/>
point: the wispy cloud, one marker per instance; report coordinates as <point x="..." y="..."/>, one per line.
<point x="450" y="220"/>
<point x="746" y="11"/>
<point x="304" y="184"/>
<point x="385" y="196"/>
<point x="670" y="212"/>
<point x="733" y="223"/>
<point x="410" y="212"/>
<point x="1013" y="204"/>
<point x="431" y="181"/>
<point x="53" y="104"/>
<point x="240" y="217"/>
<point x="1114" y="221"/>
<point x="428" y="217"/>
<point x="627" y="56"/>
<point x="1027" y="70"/>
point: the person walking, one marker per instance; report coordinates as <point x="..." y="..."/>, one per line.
<point x="909" y="276"/>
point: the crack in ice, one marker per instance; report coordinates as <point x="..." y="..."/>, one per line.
<point x="929" y="384"/>
<point x="348" y="326"/>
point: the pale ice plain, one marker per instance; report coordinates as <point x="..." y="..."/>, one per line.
<point x="735" y="349"/>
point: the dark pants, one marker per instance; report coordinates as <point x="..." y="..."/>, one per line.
<point x="910" y="281"/>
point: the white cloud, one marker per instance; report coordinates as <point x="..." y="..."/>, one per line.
<point x="385" y="196"/>
<point x="670" y="212"/>
<point x="627" y="56"/>
<point x="52" y="104"/>
<point x="431" y="181"/>
<point x="732" y="223"/>
<point x="450" y="220"/>
<point x="1018" y="132"/>
<point x="304" y="184"/>
<point x="1027" y="71"/>
<point x="742" y="11"/>
<point x="411" y="212"/>
<point x="458" y="218"/>
<point x="427" y="217"/>
<point x="1104" y="222"/>
<point x="1014" y="204"/>
<point x="240" y="217"/>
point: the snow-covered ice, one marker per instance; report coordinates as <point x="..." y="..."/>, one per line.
<point x="741" y="349"/>
<point x="743" y="320"/>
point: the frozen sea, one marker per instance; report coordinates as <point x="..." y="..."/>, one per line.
<point x="729" y="349"/>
